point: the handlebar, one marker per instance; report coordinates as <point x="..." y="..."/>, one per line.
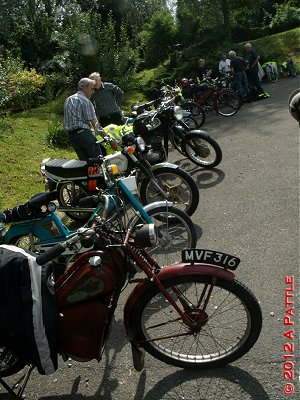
<point x="50" y="254"/>
<point x="59" y="249"/>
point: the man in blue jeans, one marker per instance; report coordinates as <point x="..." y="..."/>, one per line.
<point x="79" y="118"/>
<point x="238" y="66"/>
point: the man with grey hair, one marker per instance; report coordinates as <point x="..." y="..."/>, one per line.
<point x="253" y="59"/>
<point x="79" y="117"/>
<point x="107" y="98"/>
<point x="238" y="66"/>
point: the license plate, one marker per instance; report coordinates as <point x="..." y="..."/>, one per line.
<point x="210" y="257"/>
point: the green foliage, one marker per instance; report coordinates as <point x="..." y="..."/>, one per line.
<point x="92" y="45"/>
<point x="159" y="38"/>
<point x="56" y="84"/>
<point x="20" y="88"/>
<point x="286" y="16"/>
<point x="26" y="89"/>
<point x="56" y="135"/>
<point x="277" y="46"/>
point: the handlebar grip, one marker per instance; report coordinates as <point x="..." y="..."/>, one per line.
<point x="50" y="254"/>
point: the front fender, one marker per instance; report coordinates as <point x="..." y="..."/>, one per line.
<point x="149" y="207"/>
<point x="171" y="271"/>
<point x="199" y="132"/>
<point x="164" y="165"/>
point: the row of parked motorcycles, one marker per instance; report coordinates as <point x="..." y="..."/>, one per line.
<point x="133" y="214"/>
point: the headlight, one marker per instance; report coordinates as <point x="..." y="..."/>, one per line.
<point x="153" y="124"/>
<point x="178" y="113"/>
<point x="145" y="235"/>
<point x="141" y="143"/>
<point x="51" y="207"/>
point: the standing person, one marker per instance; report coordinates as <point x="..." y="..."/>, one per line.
<point x="79" y="117"/>
<point x="107" y="98"/>
<point x="253" y="59"/>
<point x="202" y="71"/>
<point x="224" y="64"/>
<point x="238" y="66"/>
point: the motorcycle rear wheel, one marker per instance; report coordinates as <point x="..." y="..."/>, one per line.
<point x="227" y="329"/>
<point x="196" y="111"/>
<point x="9" y="363"/>
<point x="228" y="103"/>
<point x="203" y="151"/>
<point x="292" y="72"/>
<point x="179" y="186"/>
<point x="272" y="75"/>
<point x="69" y="196"/>
<point x="25" y="242"/>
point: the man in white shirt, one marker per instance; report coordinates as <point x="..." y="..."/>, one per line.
<point x="224" y="65"/>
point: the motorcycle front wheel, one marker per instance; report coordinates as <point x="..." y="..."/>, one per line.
<point x="9" y="363"/>
<point x="228" y="103"/>
<point x="202" y="150"/>
<point x="175" y="231"/>
<point x="178" y="185"/>
<point x="224" y="331"/>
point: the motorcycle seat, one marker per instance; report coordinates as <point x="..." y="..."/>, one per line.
<point x="67" y="168"/>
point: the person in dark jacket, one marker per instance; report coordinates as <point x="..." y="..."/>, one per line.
<point x="253" y="58"/>
<point x="238" y="66"/>
<point x="107" y="98"/>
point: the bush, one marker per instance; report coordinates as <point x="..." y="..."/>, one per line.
<point x="57" y="136"/>
<point x="286" y="17"/>
<point x="56" y="84"/>
<point x="26" y="89"/>
<point x="20" y="88"/>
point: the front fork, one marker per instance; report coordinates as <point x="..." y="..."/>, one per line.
<point x="147" y="171"/>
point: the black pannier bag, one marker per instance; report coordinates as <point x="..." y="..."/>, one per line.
<point x="28" y="312"/>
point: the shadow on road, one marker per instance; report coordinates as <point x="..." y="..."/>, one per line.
<point x="224" y="383"/>
<point x="204" y="178"/>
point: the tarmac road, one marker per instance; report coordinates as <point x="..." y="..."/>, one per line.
<point x="248" y="206"/>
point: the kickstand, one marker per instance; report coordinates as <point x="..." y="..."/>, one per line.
<point x="23" y="381"/>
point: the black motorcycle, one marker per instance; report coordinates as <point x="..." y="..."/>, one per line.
<point x="167" y="123"/>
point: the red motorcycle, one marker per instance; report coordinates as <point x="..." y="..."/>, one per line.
<point x="192" y="314"/>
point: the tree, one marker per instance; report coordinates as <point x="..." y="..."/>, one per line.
<point x="159" y="37"/>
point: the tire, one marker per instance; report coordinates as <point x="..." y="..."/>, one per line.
<point x="231" y="323"/>
<point x="292" y="72"/>
<point x="196" y="111"/>
<point x="9" y="363"/>
<point x="24" y="242"/>
<point x="68" y="196"/>
<point x="228" y="103"/>
<point x="202" y="150"/>
<point x="191" y="122"/>
<point x="180" y="187"/>
<point x="272" y="75"/>
<point x="175" y="230"/>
